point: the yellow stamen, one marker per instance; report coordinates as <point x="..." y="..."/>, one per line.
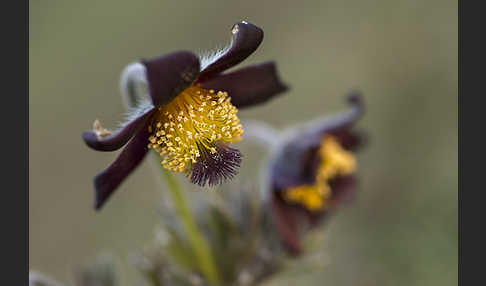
<point x="313" y="197"/>
<point x="335" y="162"/>
<point x="191" y="124"/>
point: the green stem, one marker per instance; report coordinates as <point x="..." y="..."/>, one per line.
<point x="196" y="239"/>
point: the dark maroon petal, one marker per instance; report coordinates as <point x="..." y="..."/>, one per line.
<point x="118" y="139"/>
<point x="343" y="190"/>
<point x="214" y="168"/>
<point x="286" y="221"/>
<point x="249" y="86"/>
<point x="170" y="74"/>
<point x="107" y="181"/>
<point x="246" y="39"/>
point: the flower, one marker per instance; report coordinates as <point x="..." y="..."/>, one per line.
<point x="311" y="170"/>
<point x="188" y="112"/>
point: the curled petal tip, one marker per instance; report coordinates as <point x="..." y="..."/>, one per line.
<point x="355" y="97"/>
<point x="97" y="143"/>
<point x="89" y="138"/>
<point x="107" y="141"/>
<point x="246" y="38"/>
<point x="245" y="26"/>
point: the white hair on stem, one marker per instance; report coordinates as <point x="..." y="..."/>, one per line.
<point x="270" y="138"/>
<point x="134" y="91"/>
<point x="133" y="84"/>
<point x="144" y="105"/>
<point x="262" y="133"/>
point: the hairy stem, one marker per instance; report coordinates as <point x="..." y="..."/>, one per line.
<point x="198" y="243"/>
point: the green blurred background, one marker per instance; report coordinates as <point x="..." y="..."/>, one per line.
<point x="401" y="230"/>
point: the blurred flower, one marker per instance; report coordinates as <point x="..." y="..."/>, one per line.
<point x="311" y="170"/>
<point x="185" y="108"/>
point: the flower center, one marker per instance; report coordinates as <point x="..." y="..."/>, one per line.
<point x="193" y="124"/>
<point x="335" y="162"/>
<point x="313" y="197"/>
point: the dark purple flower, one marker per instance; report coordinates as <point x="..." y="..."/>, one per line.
<point x="184" y="107"/>
<point x="312" y="171"/>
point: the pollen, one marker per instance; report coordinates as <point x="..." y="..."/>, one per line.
<point x="312" y="197"/>
<point x="193" y="123"/>
<point x="335" y="162"/>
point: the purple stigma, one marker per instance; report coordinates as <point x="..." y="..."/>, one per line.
<point x="214" y="168"/>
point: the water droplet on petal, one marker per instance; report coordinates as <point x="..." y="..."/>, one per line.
<point x="235" y="29"/>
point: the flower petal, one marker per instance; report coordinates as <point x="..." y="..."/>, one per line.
<point x="108" y="180"/>
<point x="291" y="162"/>
<point x="287" y="220"/>
<point x="121" y="137"/>
<point x="170" y="74"/>
<point x="249" y="86"/>
<point x="246" y="39"/>
<point x="288" y="165"/>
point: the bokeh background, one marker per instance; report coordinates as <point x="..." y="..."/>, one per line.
<point x="402" y="228"/>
